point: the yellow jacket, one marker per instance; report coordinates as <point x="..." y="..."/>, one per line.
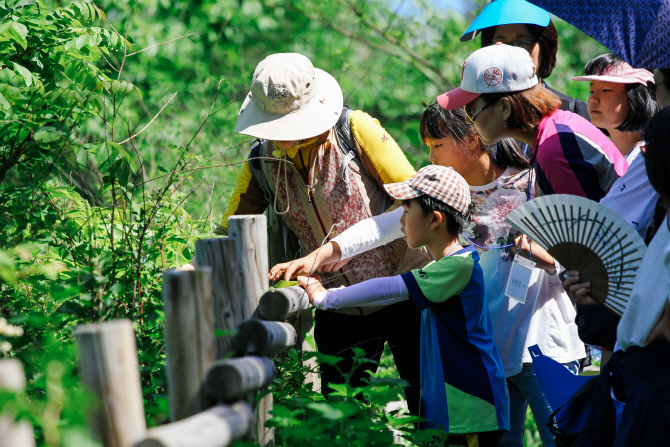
<point x="382" y="158"/>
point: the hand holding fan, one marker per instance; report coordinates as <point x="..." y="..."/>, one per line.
<point x="585" y="236"/>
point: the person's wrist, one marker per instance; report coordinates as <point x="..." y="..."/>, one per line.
<point x="319" y="299"/>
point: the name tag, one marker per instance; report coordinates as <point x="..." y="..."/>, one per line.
<point x="519" y="278"/>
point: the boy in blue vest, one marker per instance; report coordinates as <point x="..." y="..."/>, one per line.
<point x="463" y="382"/>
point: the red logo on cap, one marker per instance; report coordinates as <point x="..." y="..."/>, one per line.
<point x="493" y="76"/>
<point x="463" y="69"/>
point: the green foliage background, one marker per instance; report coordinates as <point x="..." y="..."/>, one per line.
<point x="118" y="151"/>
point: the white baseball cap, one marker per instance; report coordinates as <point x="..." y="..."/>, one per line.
<point x="497" y="68"/>
<point x="289" y="100"/>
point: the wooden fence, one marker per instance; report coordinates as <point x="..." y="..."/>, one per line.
<point x="222" y="326"/>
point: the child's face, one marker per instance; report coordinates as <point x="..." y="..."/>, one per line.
<point x="445" y="152"/>
<point x="608" y="104"/>
<point x="415" y="225"/>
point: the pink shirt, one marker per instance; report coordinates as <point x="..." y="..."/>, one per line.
<point x="572" y="156"/>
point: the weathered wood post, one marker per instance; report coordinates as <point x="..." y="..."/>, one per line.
<point x="108" y="367"/>
<point x="189" y="339"/>
<point x="13" y="434"/>
<point x="221" y="255"/>
<point x="251" y="235"/>
<point x="215" y="427"/>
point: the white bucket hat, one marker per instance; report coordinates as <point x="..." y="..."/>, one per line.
<point x="289" y="100"/>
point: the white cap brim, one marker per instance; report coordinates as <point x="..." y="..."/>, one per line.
<point x="315" y="118"/>
<point x="615" y="79"/>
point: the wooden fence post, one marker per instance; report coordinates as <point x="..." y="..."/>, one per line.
<point x="13" y="434"/>
<point x="251" y="234"/>
<point x="215" y="427"/>
<point x="108" y="367"/>
<point x="189" y="339"/>
<point x="221" y="255"/>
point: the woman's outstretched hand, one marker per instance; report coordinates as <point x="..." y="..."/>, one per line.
<point x="311" y="284"/>
<point x="578" y="290"/>
<point x="325" y="258"/>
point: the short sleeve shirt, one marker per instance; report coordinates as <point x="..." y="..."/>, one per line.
<point x="463" y="388"/>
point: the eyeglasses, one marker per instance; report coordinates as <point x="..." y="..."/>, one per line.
<point x="472" y="116"/>
<point x="525" y="44"/>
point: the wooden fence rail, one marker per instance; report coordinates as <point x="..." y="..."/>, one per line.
<point x="215" y="427"/>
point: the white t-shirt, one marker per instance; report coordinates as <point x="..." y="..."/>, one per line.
<point x="632" y="196"/>
<point x="545" y="319"/>
<point x="650" y="291"/>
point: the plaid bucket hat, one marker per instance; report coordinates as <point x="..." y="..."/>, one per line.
<point x="439" y="182"/>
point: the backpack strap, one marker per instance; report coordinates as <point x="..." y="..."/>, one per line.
<point x="257" y="169"/>
<point x="573" y="105"/>
<point x="347" y="146"/>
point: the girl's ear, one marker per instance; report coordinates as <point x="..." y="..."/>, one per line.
<point x="506" y="108"/>
<point x="436" y="219"/>
<point x="472" y="140"/>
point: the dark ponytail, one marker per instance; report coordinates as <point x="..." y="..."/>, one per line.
<point x="509" y="153"/>
<point x="437" y="123"/>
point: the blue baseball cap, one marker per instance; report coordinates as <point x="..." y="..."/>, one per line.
<point x="507" y="12"/>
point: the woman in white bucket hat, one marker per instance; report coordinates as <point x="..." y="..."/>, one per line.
<point x="334" y="163"/>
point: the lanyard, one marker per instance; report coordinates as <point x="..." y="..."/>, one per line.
<point x="452" y="250"/>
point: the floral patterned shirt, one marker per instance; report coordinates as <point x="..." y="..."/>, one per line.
<point x="493" y="202"/>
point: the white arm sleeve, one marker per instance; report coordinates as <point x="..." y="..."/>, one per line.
<point x="374" y="292"/>
<point x="370" y="233"/>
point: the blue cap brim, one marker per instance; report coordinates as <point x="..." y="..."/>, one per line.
<point x="507" y="12"/>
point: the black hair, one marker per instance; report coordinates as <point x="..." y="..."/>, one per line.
<point x="547" y="38"/>
<point x="641" y="98"/>
<point x="666" y="74"/>
<point x="437" y="122"/>
<point x="455" y="219"/>
<point x="657" y="155"/>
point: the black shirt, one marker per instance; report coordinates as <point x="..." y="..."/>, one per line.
<point x="571" y="104"/>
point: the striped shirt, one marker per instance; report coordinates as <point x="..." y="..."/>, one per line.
<point x="572" y="156"/>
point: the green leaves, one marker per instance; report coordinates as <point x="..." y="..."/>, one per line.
<point x="27" y="75"/>
<point x="47" y="134"/>
<point x="116" y="87"/>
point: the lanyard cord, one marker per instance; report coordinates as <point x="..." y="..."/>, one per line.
<point x="452" y="250"/>
<point x="288" y="201"/>
<point x="304" y="168"/>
